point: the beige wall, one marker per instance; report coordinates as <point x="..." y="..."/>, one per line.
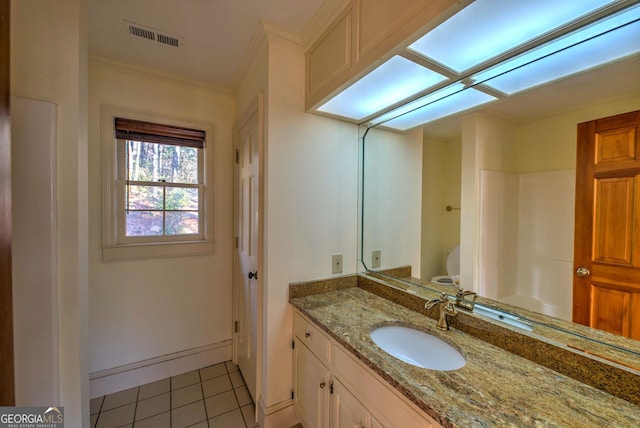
<point x="549" y="143"/>
<point x="48" y="62"/>
<point x="440" y="187"/>
<point x="142" y="309"/>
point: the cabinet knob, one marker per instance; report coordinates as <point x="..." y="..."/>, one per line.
<point x="322" y="384"/>
<point x="253" y="275"/>
<point x="307" y="333"/>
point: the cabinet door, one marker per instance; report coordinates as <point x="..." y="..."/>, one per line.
<point x="311" y="388"/>
<point x="346" y="411"/>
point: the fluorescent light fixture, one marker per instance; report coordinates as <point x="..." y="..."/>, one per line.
<point x="420" y="102"/>
<point x="393" y="81"/>
<point x="607" y="40"/>
<point x="455" y="103"/>
<point x="488" y="28"/>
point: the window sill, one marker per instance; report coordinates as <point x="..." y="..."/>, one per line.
<point x="122" y="252"/>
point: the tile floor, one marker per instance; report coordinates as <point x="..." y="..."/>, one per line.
<point x="212" y="397"/>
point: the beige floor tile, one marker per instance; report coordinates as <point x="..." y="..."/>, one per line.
<point x="236" y="379"/>
<point x="249" y="414"/>
<point x="232" y="419"/>
<point x="95" y="404"/>
<point x="153" y="406"/>
<point x="213" y="371"/>
<point x="221" y="403"/>
<point x="92" y="420"/>
<point x="115" y="418"/>
<point x="121" y="398"/>
<point x="187" y="395"/>
<point x="185" y="379"/>
<point x="188" y="415"/>
<point x="243" y="396"/>
<point x="154" y="388"/>
<point x="162" y="420"/>
<point x="200" y="425"/>
<point x="216" y="386"/>
<point x="231" y="367"/>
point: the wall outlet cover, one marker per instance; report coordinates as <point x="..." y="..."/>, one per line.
<point x="336" y="263"/>
<point x="376" y="258"/>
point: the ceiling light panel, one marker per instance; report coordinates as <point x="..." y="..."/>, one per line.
<point x="607" y="40"/>
<point x="393" y="81"/>
<point x="452" y="104"/>
<point x="488" y="28"/>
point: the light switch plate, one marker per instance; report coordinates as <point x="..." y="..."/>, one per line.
<point x="336" y="263"/>
<point x="376" y="258"/>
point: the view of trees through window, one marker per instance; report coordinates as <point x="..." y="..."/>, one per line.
<point x="163" y="189"/>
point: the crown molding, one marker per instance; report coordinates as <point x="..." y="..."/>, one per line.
<point x="147" y="71"/>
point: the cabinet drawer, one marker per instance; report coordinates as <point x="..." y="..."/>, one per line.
<point x="317" y="341"/>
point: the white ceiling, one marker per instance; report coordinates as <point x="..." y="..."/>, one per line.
<point x="215" y="33"/>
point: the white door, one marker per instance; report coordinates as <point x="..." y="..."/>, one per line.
<point x="247" y="274"/>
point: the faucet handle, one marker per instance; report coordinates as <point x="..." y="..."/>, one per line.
<point x="431" y="303"/>
<point x="462" y="293"/>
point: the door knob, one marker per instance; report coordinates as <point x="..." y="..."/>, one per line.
<point x="253" y="275"/>
<point x="583" y="271"/>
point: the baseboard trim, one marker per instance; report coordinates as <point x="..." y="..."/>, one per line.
<point x="276" y="416"/>
<point x="139" y="373"/>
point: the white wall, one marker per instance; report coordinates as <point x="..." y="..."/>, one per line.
<point x="393" y="198"/>
<point x="487" y="143"/>
<point x="148" y="308"/>
<point x="34" y="251"/>
<point x="48" y="62"/>
<point x="310" y="174"/>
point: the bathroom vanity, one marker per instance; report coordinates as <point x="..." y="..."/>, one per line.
<point x="342" y="378"/>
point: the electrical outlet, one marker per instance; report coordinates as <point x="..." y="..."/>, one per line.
<point x="336" y="263"/>
<point x="376" y="258"/>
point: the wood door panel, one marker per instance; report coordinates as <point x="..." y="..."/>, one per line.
<point x="610" y="310"/>
<point x="616" y="145"/>
<point x="607" y="225"/>
<point x="613" y="220"/>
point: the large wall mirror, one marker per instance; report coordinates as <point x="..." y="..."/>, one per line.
<point x="498" y="182"/>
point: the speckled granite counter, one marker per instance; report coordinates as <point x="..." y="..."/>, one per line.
<point x="494" y="389"/>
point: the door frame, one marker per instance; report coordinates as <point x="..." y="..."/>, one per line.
<point x="255" y="107"/>
<point x="7" y="387"/>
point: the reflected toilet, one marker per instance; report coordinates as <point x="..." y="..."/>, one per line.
<point x="453" y="268"/>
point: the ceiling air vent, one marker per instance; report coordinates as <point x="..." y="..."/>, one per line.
<point x="152" y="35"/>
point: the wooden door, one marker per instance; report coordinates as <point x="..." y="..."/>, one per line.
<point x="606" y="286"/>
<point x="248" y="278"/>
<point x="7" y="394"/>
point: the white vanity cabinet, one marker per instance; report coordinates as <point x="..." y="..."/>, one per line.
<point x="311" y="389"/>
<point x="332" y="389"/>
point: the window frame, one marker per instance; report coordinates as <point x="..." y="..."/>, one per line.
<point x="115" y="244"/>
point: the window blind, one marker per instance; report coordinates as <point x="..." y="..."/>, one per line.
<point x="136" y="130"/>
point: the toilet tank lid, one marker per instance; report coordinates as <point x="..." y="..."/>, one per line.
<point x="453" y="261"/>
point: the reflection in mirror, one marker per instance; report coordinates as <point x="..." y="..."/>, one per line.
<point x="508" y="173"/>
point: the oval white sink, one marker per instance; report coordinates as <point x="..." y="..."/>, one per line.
<point x="417" y="347"/>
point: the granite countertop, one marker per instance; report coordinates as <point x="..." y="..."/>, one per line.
<point x="495" y="388"/>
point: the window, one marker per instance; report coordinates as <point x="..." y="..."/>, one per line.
<point x="155" y="188"/>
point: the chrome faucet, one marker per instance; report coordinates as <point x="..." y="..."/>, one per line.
<point x="461" y="299"/>
<point x="446" y="308"/>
